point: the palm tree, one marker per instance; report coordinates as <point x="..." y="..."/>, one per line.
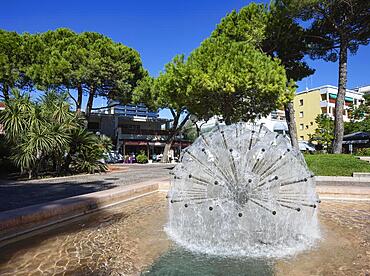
<point x="47" y="136"/>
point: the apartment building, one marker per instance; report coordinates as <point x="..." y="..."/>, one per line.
<point x="134" y="128"/>
<point x="321" y="100"/>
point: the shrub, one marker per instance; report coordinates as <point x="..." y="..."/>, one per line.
<point x="46" y="136"/>
<point x="142" y="158"/>
<point x="363" y="152"/>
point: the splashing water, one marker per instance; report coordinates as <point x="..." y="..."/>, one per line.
<point x="242" y="190"/>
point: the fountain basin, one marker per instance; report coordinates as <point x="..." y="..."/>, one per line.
<point x="129" y="239"/>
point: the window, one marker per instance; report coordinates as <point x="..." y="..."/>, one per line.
<point x="301" y="126"/>
<point x="311" y="123"/>
<point x="306" y="126"/>
<point x="301" y="114"/>
<point x="302" y="137"/>
<point x="301" y="102"/>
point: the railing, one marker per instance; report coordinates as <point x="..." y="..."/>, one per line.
<point x="145" y="132"/>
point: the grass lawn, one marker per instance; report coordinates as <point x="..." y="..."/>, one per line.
<point x="335" y="164"/>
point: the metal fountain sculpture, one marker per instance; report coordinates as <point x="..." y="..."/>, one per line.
<point x="242" y="190"/>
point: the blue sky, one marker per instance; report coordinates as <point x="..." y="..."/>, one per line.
<point x="158" y="30"/>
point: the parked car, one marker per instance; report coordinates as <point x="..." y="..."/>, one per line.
<point x="306" y="146"/>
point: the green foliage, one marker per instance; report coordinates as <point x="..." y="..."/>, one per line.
<point x="89" y="62"/>
<point x="248" y="25"/>
<point x="324" y="133"/>
<point x="190" y="131"/>
<point x="89" y="152"/>
<point x="360" y="117"/>
<point x="172" y="89"/>
<point x="271" y="29"/>
<point x="334" y="28"/>
<point x="236" y="80"/>
<point x="363" y="152"/>
<point x="6" y="165"/>
<point x="335" y="164"/>
<point x="13" y="62"/>
<point x="334" y="23"/>
<point x="142" y="158"/>
<point x="355" y="126"/>
<point x="286" y="40"/>
<point x="46" y="136"/>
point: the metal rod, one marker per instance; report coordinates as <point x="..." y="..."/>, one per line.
<point x="290" y="207"/>
<point x="251" y="139"/>
<point x="294" y="182"/>
<point x="208" y="170"/>
<point x="231" y="158"/>
<point x="262" y="206"/>
<point x="223" y="174"/>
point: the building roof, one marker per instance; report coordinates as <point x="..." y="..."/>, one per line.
<point x="363" y="89"/>
<point x="327" y="86"/>
<point x="356" y="136"/>
<point x="130" y="118"/>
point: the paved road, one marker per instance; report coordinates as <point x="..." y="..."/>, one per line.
<point x="17" y="194"/>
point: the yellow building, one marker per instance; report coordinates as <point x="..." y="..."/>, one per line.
<point x="321" y="100"/>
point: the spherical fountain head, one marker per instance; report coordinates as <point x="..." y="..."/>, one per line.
<point x="248" y="191"/>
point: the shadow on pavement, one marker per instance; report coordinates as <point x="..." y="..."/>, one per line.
<point x="17" y="194"/>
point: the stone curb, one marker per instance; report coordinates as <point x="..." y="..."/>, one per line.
<point x="342" y="181"/>
<point x="20" y="221"/>
<point x="31" y="181"/>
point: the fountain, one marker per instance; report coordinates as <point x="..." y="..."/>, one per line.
<point x="242" y="190"/>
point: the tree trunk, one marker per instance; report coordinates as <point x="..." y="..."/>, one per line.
<point x="6" y="91"/>
<point x="292" y="127"/>
<point x="339" y="104"/>
<point x="171" y="138"/>
<point x="176" y="127"/>
<point x="227" y="110"/>
<point x="79" y="98"/>
<point x="166" y="151"/>
<point x="227" y="121"/>
<point x="90" y="101"/>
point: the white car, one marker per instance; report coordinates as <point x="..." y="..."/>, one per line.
<point x="306" y="146"/>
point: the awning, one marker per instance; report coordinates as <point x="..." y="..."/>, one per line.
<point x="334" y="96"/>
<point x="135" y="143"/>
<point x="354" y="142"/>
